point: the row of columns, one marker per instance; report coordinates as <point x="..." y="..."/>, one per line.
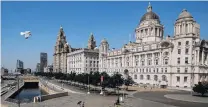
<point x="111" y="63"/>
<point x="183" y="28"/>
<point x="155" y="31"/>
<point x="204" y="59"/>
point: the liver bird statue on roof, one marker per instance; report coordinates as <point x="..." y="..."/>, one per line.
<point x="27" y="34"/>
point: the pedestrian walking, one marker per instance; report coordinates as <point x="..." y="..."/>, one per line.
<point x="83" y="104"/>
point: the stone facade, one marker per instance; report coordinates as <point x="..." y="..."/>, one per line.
<point x="177" y="61"/>
<point x="62" y="48"/>
<point x="84" y="60"/>
<point x="60" y="52"/>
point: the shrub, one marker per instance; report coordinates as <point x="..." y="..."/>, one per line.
<point x="199" y="88"/>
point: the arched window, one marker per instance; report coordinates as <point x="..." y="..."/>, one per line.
<point x="164" y="78"/>
<point x="155" y="77"/>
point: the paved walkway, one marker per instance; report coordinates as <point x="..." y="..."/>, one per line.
<point x="159" y="97"/>
<point x="73" y="99"/>
<point x="187" y="97"/>
<point x="58" y="86"/>
<point x="137" y="102"/>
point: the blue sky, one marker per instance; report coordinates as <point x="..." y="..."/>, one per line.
<point x="111" y="20"/>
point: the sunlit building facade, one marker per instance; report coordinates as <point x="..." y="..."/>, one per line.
<point x="177" y="61"/>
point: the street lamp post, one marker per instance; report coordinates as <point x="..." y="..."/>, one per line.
<point x="118" y="101"/>
<point x="88" y="85"/>
<point x="101" y="85"/>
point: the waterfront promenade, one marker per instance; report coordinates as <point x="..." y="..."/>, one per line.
<point x="140" y="98"/>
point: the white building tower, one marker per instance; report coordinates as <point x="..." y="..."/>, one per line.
<point x="103" y="50"/>
<point x="149" y="29"/>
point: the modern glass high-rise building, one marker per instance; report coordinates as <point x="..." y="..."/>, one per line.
<point x="20" y="64"/>
<point x="43" y="61"/>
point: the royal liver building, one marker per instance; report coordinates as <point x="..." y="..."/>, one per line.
<point x="176" y="61"/>
<point x="61" y="49"/>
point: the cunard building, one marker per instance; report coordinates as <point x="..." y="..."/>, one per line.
<point x="84" y="60"/>
<point x="175" y="61"/>
<point x="79" y="60"/>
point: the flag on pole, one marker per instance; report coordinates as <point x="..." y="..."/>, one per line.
<point x="101" y="78"/>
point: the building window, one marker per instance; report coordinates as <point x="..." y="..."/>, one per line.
<point x="157" y="69"/>
<point x="149" y="69"/>
<point x="141" y="77"/>
<point x="185" y="79"/>
<point x="179" y="51"/>
<point x="149" y="62"/>
<point x="178" y="70"/>
<point x="178" y="79"/>
<point x="155" y="77"/>
<point x="161" y="69"/>
<point x="179" y="61"/>
<point x="166" y="70"/>
<point x="127" y="63"/>
<point x="156" y="62"/>
<point x="186" y="28"/>
<point x="164" y="78"/>
<point x="135" y="76"/>
<point x="146" y="69"/>
<point x="136" y="63"/>
<point x="142" y="63"/>
<point x="187" y="42"/>
<point x="186" y="60"/>
<point x="166" y="53"/>
<point x="186" y="70"/>
<point x="166" y="61"/>
<point x="179" y="43"/>
<point x="148" y="77"/>
<point x="187" y="51"/>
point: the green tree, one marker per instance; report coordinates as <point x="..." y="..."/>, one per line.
<point x="96" y="78"/>
<point x="127" y="79"/>
<point x="115" y="80"/>
<point x="199" y="88"/>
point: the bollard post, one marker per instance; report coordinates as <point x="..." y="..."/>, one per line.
<point x="34" y="100"/>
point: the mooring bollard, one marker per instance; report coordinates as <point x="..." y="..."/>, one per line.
<point x="35" y="99"/>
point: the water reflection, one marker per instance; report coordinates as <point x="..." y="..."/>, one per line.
<point x="27" y="94"/>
